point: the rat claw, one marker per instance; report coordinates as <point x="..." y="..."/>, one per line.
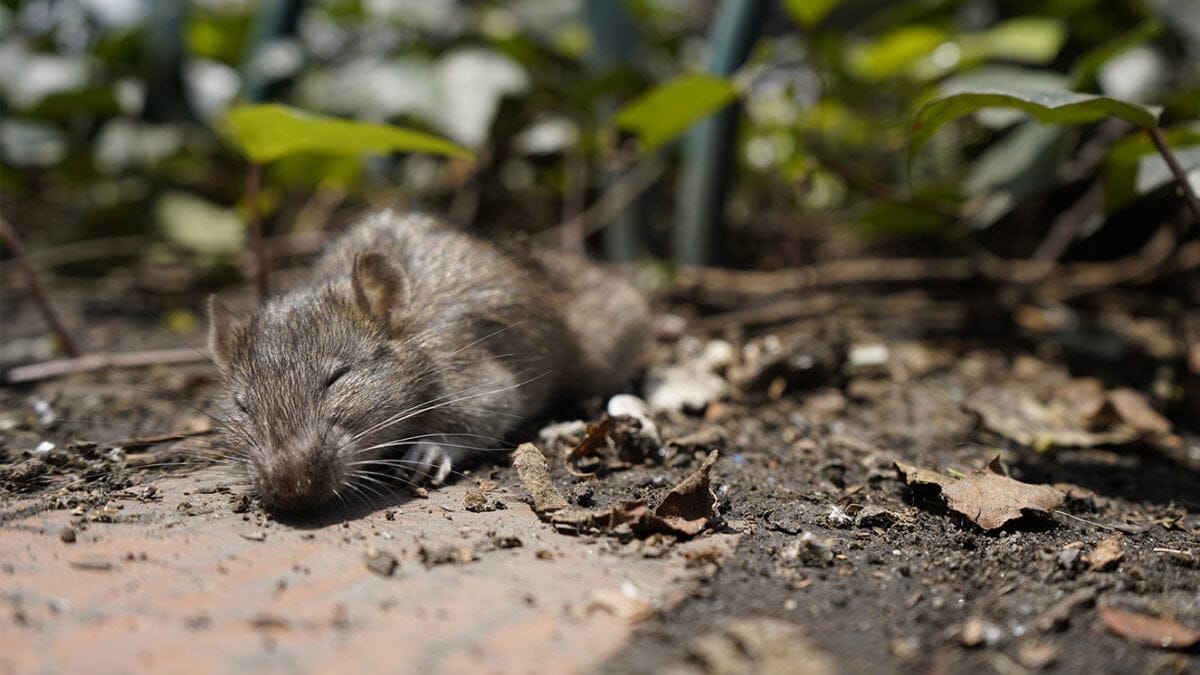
<point x="443" y="470"/>
<point x="428" y="463"/>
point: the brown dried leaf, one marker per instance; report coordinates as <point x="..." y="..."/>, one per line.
<point x="1013" y="412"/>
<point x="1105" y="556"/>
<point x="1150" y="630"/>
<point x="1083" y="396"/>
<point x="914" y="476"/>
<point x="577" y="520"/>
<point x="535" y="477"/>
<point x="684" y="512"/>
<point x="688" y="506"/>
<point x="1132" y="407"/>
<point x="597" y="435"/>
<point x="760" y="645"/>
<point x="991" y="499"/>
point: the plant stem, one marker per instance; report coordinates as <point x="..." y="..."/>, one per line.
<point x="103" y="361"/>
<point x="262" y="280"/>
<point x="1180" y="176"/>
<point x="36" y="290"/>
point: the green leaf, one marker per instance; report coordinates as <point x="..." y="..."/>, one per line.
<point x="200" y="226"/>
<point x="1050" y="107"/>
<point x="988" y="78"/>
<point x="1027" y="40"/>
<point x="669" y="109"/>
<point x="894" y="53"/>
<point x="268" y="132"/>
<point x="1085" y="69"/>
<point x="886" y="219"/>
<point x="809" y="13"/>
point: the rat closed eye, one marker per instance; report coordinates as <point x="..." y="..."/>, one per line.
<point x="337" y="374"/>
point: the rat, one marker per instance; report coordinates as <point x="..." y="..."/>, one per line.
<point x="409" y="346"/>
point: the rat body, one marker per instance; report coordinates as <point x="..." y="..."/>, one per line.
<point x="411" y="345"/>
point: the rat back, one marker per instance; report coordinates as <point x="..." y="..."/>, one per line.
<point x="489" y="323"/>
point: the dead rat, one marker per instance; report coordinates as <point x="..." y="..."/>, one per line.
<point x="411" y="345"/>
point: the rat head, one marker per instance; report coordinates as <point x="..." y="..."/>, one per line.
<point x="317" y="380"/>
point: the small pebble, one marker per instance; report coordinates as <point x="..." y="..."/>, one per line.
<point x="381" y="562"/>
<point x="67" y="535"/>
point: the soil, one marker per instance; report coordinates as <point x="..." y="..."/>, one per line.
<point x="128" y="546"/>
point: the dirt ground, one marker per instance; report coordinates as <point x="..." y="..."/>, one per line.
<point x="125" y="548"/>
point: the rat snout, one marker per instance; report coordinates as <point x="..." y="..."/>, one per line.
<point x="295" y="483"/>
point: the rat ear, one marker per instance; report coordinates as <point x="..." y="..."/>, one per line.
<point x="222" y="331"/>
<point x="380" y="288"/>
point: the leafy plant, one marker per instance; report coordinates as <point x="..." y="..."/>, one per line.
<point x="268" y="132"/>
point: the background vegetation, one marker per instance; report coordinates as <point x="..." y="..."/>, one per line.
<point x="116" y="125"/>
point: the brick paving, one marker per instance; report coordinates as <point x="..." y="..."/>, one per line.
<point x="183" y="584"/>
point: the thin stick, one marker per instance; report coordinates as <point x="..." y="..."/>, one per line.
<point x="36" y="290"/>
<point x="137" y="444"/>
<point x="262" y="280"/>
<point x="623" y="192"/>
<point x="92" y="362"/>
<point x="1180" y="177"/>
<point x="574" y="202"/>
<point x="723" y="286"/>
<point x="1066" y="226"/>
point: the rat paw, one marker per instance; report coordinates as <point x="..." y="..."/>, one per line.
<point x="427" y="463"/>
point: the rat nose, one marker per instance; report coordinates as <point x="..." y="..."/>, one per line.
<point x="296" y="485"/>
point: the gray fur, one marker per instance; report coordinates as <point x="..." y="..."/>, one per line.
<point x="444" y="331"/>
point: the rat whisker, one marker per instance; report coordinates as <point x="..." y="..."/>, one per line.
<point x="405" y="464"/>
<point x="436" y="404"/>
<point x="365" y="482"/>
<point x="439" y="401"/>
<point x="451" y="355"/>
<point x="368" y="477"/>
<point x="394" y="444"/>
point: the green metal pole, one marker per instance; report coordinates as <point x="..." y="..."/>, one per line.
<point x="614" y="40"/>
<point x="708" y="149"/>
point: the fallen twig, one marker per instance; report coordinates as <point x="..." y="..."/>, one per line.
<point x="93" y="362"/>
<point x="1147" y="263"/>
<point x="1067" y="225"/>
<point x="790" y="309"/>
<point x="132" y="444"/>
<point x="36" y="289"/>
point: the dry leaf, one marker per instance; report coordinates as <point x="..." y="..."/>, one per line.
<point x="991" y="499"/>
<point x="688" y="506"/>
<point x="1105" y="556"/>
<point x="578" y="520"/>
<point x="1133" y="409"/>
<point x="760" y="645"/>
<point x="597" y="435"/>
<point x="1084" y="397"/>
<point x="914" y="476"/>
<point x="1013" y="412"/>
<point x="685" y="511"/>
<point x="1151" y="630"/>
<point x="535" y="477"/>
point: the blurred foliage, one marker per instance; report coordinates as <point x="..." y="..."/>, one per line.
<point x="670" y="109"/>
<point x="829" y="97"/>
<point x="270" y="131"/>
